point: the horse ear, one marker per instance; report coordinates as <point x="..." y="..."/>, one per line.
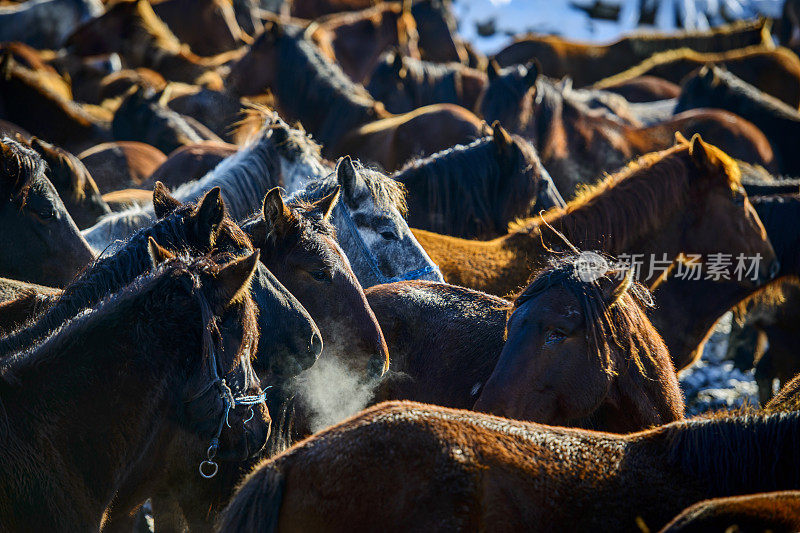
<point x="680" y="139"/>
<point x="347" y="176"/>
<point x="614" y="285"/>
<point x="163" y="202"/>
<point x="533" y="69"/>
<point x="275" y="212"/>
<point x="702" y="155"/>
<point x="325" y="205"/>
<point x="493" y="69"/>
<point x="233" y="279"/>
<point x="158" y="254"/>
<point x="209" y="215"/>
<point x="502" y="139"/>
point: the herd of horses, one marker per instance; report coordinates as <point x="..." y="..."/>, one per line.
<point x="322" y="266"/>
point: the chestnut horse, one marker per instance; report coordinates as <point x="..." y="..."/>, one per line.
<point x="776" y="72"/>
<point x="667" y="203"/>
<point x="581" y="352"/>
<point x="767" y="511"/>
<point x="189" y="163"/>
<point x="339" y="113"/>
<point x="121" y="165"/>
<point x="587" y="63"/>
<point x="475" y="191"/>
<point x="209" y="27"/>
<point x="477" y="472"/>
<point x="404" y="84"/>
<point x="154" y="335"/>
<point x="577" y="144"/>
<point x="40" y="241"/>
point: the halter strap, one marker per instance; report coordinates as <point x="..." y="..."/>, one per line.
<point x="372" y="261"/>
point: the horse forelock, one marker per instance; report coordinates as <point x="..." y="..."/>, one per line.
<point x="20" y="167"/>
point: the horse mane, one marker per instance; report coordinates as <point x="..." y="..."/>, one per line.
<point x="309" y="85"/>
<point x="648" y="190"/>
<point x="685" y="53"/>
<point x="469" y="183"/>
<point x="243" y="177"/>
<point x="386" y="192"/>
<point x="20" y="167"/>
<point x="622" y="324"/>
<point x="703" y="448"/>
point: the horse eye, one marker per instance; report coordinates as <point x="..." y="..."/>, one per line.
<point x="389" y="236"/>
<point x="554" y="336"/>
<point x="319" y="275"/>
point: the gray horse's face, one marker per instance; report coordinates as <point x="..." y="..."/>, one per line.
<point x="373" y="232"/>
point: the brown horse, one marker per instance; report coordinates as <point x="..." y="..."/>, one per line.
<point x="131" y="29"/>
<point x="768" y="511"/>
<point x="216" y="110"/>
<point x="776" y="72"/>
<point x="19" y="301"/>
<point x="41" y="242"/>
<point x="475" y="191"/>
<point x="404" y="84"/>
<point x="587" y="64"/>
<point x="671" y="202"/>
<point x="46" y="114"/>
<point x="309" y="88"/>
<point x="357" y="40"/>
<point x="209" y="27"/>
<point x="154" y="335"/>
<point x="645" y="89"/>
<point x="578" y="144"/>
<point x="73" y="183"/>
<point x="122" y="164"/>
<point x="298" y="245"/>
<point x="564" y="319"/>
<point x="477" y="472"/>
<point x="312" y="9"/>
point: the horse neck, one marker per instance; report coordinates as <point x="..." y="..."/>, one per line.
<point x="71" y="377"/>
<point x="244" y="178"/>
<point x="634" y="213"/>
<point x="720" y="457"/>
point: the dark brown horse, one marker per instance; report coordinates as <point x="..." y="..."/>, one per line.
<point x="19" y="301"/>
<point x="72" y="181"/>
<point x="475" y="191"/>
<point x="478" y="472"/>
<point x="768" y="511"/>
<point x="299" y="246"/>
<point x="645" y="89"/>
<point x="404" y="84"/>
<point x="578" y="144"/>
<point x="339" y="113"/>
<point x="43" y="112"/>
<point x="41" y="242"/>
<point x="676" y="201"/>
<point x="714" y="87"/>
<point x="312" y="9"/>
<point x="189" y="163"/>
<point x="131" y="29"/>
<point x="141" y="117"/>
<point x="776" y="72"/>
<point x="209" y="27"/>
<point x="154" y="335"/>
<point x="123" y="164"/>
<point x="587" y="64"/>
<point x="357" y="40"/>
<point x="581" y="352"/>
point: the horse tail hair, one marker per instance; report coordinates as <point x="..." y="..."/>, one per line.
<point x="257" y="504"/>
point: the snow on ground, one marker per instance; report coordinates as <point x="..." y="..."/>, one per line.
<point x="512" y="17"/>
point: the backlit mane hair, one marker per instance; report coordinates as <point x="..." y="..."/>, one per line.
<point x="622" y="324"/>
<point x="647" y="191"/>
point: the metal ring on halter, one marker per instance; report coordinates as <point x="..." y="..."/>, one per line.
<point x="212" y="473"/>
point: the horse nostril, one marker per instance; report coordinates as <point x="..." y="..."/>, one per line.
<point x="315" y="347"/>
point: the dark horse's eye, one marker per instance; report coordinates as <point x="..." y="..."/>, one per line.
<point x="319" y="275"/>
<point x="554" y="336"/>
<point x="389" y="236"/>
